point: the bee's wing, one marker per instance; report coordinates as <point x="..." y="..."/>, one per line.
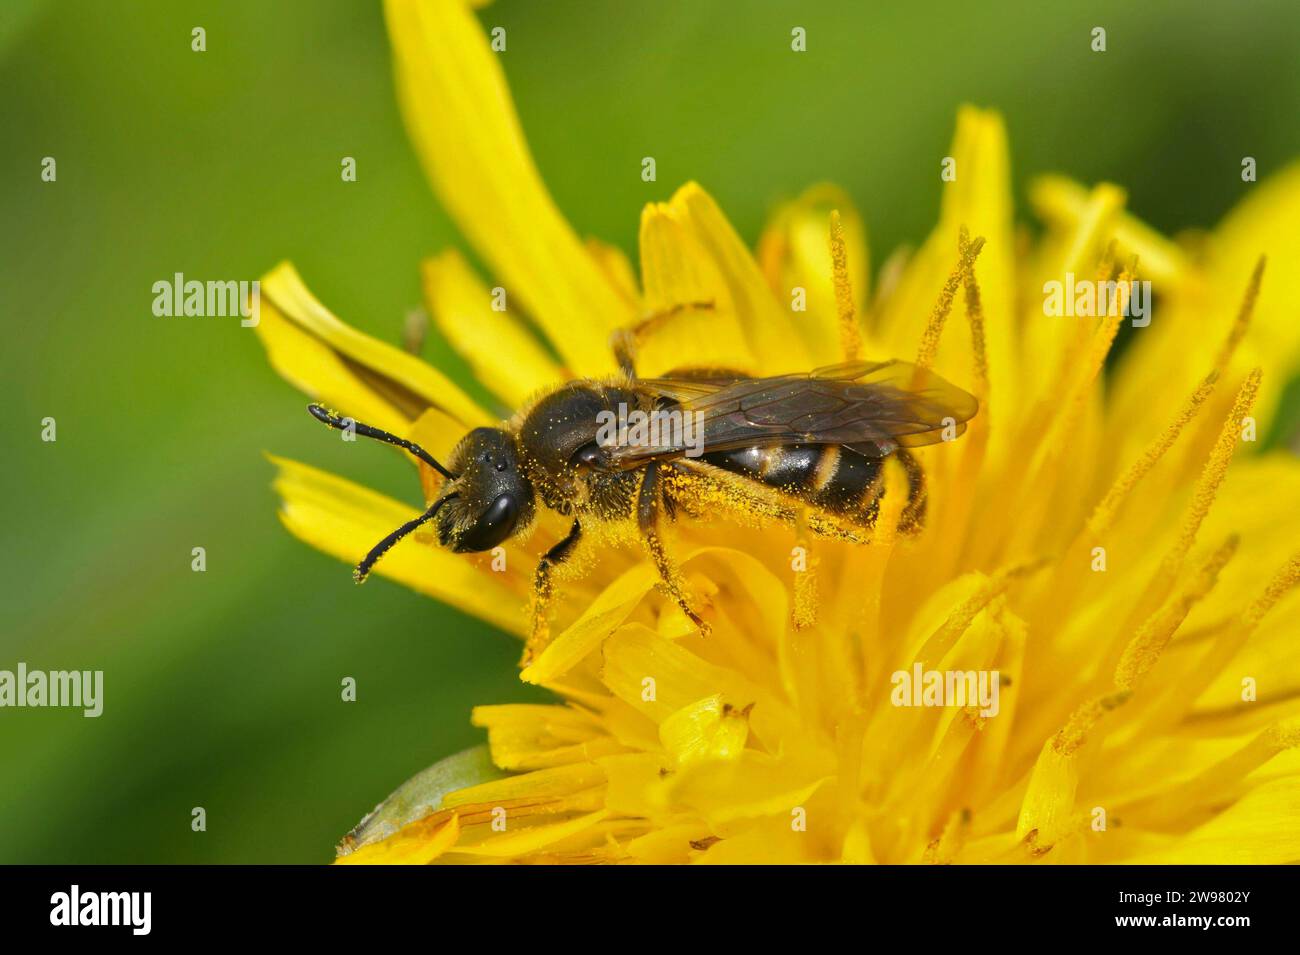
<point x="871" y="407"/>
<point x="690" y="384"/>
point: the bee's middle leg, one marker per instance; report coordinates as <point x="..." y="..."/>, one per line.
<point x="544" y="590"/>
<point x="649" y="501"/>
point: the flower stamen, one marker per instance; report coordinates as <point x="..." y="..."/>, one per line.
<point x="1104" y="514"/>
<point x="1203" y="495"/>
<point x="1145" y="648"/>
<point x="1244" y="313"/>
<point x="929" y="346"/>
<point x="850" y="335"/>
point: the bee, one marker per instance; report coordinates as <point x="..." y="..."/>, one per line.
<point x="796" y="447"/>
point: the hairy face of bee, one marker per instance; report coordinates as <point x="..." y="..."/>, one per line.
<point x="493" y="498"/>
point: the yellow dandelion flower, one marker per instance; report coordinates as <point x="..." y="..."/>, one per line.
<point x="1106" y="540"/>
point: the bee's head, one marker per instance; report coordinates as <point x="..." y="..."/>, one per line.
<point x="492" y="499"/>
<point x="484" y="500"/>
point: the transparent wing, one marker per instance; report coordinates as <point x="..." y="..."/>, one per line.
<point x="870" y="407"/>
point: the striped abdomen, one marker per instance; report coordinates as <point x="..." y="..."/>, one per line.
<point x="827" y="476"/>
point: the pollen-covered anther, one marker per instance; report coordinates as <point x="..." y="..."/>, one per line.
<point x="1103" y="516"/>
<point x="1146" y="647"/>
<point x="1075" y="731"/>
<point x="975" y="318"/>
<point x="803" y="611"/>
<point x="1244" y="313"/>
<point x="1286" y="579"/>
<point x="850" y="335"/>
<point x="1212" y="475"/>
<point x="929" y="346"/>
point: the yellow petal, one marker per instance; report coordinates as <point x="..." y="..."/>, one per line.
<point x="637" y="784"/>
<point x="677" y="270"/>
<point x="707" y="729"/>
<point x="505" y="356"/>
<point x="417" y="844"/>
<point x="767" y="841"/>
<point x="1258" y="829"/>
<point x="357" y="375"/>
<point x="1171" y="801"/>
<point x="1062" y="202"/>
<point x="532" y="736"/>
<point x="670" y="846"/>
<point x="597" y="622"/>
<point x="979" y="198"/>
<point x="617" y="267"/>
<point x="1048" y="808"/>
<point x="532" y="838"/>
<point x="767" y="326"/>
<point x="1256" y="492"/>
<point x="754" y="784"/>
<point x="420" y="797"/>
<point x="677" y="678"/>
<point x="463" y="125"/>
<point x="1197" y="302"/>
<point x="1264" y="223"/>
<point x="795" y="252"/>
<point x="550" y="789"/>
<point x="345" y="520"/>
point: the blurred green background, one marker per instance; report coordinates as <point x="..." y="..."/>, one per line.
<point x="222" y="688"/>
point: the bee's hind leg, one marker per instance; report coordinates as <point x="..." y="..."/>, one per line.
<point x="544" y="590"/>
<point x="649" y="501"/>
<point x="624" y="341"/>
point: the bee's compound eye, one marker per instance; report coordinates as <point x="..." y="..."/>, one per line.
<point x="492" y="526"/>
<point x="591" y="456"/>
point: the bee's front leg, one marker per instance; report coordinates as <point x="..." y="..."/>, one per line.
<point x="647" y="515"/>
<point x="544" y="590"/>
<point x="624" y="341"/>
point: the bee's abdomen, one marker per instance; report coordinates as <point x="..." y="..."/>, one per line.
<point x="827" y="476"/>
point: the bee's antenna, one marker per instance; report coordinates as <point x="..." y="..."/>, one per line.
<point x="368" y="562"/>
<point x="326" y="417"/>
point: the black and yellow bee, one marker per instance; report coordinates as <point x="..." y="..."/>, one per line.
<point x="806" y="445"/>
